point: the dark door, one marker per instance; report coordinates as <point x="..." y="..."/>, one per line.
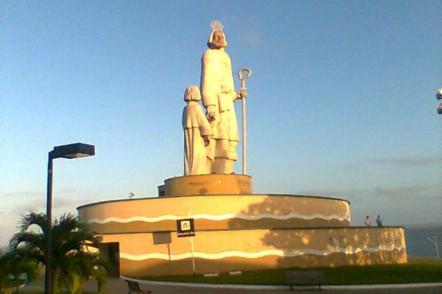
<point x="112" y="252"/>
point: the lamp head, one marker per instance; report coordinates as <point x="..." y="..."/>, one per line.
<point x="71" y="151"/>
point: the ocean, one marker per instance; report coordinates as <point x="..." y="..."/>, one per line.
<point x="417" y="242"/>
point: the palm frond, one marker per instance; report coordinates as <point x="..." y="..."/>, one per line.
<point x="33" y="218"/>
<point x="70" y="261"/>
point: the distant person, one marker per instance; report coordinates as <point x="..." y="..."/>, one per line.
<point x="379" y="221"/>
<point x="367" y="221"/>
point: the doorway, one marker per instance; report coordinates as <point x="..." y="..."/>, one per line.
<point x="111" y="252"/>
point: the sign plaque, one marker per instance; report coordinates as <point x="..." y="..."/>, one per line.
<point x="185" y="227"/>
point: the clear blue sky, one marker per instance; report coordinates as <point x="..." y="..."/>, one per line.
<point x="341" y="103"/>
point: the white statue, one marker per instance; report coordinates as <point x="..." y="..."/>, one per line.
<point x="197" y="133"/>
<point x="218" y="93"/>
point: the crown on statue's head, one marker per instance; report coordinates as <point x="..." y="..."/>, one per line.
<point x="216" y="26"/>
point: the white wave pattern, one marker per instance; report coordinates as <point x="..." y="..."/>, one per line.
<point x="216" y="217"/>
<point x="258" y="254"/>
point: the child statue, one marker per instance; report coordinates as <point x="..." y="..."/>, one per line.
<point x="197" y="133"/>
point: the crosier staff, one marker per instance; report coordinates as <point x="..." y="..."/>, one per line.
<point x="244" y="73"/>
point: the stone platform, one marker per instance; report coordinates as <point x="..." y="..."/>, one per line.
<point x="238" y="232"/>
<point x="207" y="185"/>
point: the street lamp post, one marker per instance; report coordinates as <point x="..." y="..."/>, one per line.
<point x="71" y="151"/>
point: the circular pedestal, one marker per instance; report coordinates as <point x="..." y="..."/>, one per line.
<point x="238" y="232"/>
<point x="215" y="212"/>
<point x="214" y="184"/>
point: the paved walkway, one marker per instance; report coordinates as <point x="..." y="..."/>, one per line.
<point x="118" y="286"/>
<point x="198" y="290"/>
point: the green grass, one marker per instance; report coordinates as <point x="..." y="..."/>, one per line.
<point x="42" y="292"/>
<point x="415" y="271"/>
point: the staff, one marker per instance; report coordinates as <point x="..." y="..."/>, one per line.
<point x="244" y="73"/>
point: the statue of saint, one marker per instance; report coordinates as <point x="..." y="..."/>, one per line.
<point x="197" y="132"/>
<point x="218" y="95"/>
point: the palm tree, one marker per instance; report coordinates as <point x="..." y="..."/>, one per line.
<point x="13" y="267"/>
<point x="74" y="249"/>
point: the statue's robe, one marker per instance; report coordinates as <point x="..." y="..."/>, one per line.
<point x="195" y="126"/>
<point x="217" y="89"/>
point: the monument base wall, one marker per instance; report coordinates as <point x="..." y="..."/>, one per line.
<point x="223" y="251"/>
<point x="215" y="212"/>
<point x="238" y="232"/>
